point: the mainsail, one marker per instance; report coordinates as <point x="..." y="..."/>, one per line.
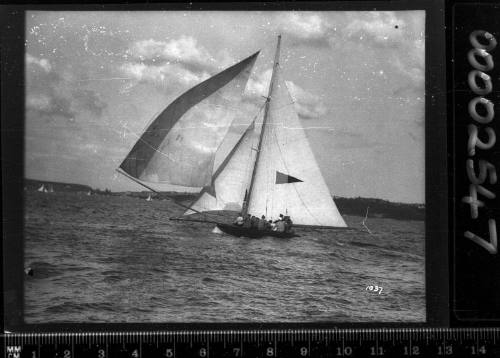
<point x="286" y="178"/>
<point x="231" y="179"/>
<point x="180" y="145"/>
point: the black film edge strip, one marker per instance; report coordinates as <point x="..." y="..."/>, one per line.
<point x="474" y="91"/>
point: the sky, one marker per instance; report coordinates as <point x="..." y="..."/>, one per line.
<point x="94" y="80"/>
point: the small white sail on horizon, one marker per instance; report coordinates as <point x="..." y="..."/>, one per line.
<point x="149" y="198"/>
<point x="270" y="171"/>
<point x="43" y="189"/>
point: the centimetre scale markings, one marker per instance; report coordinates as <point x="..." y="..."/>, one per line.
<point x="389" y="342"/>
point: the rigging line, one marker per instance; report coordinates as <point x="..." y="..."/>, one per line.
<point x="249" y="160"/>
<point x="248" y="168"/>
<point x="294" y="187"/>
<point x="266" y="110"/>
<point x="166" y="155"/>
<point x="223" y="164"/>
<point x="155" y="191"/>
<point x="254" y="118"/>
<point x="139" y="137"/>
<point x="198" y="197"/>
<point x="226" y="102"/>
<point x="149" y="145"/>
<point x="364" y="220"/>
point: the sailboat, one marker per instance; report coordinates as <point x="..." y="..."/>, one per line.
<point x="51" y="189"/>
<point x="271" y="170"/>
<point x="149" y="198"/>
<point x="43" y="189"/>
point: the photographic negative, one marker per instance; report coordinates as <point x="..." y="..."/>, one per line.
<point x="224" y="166"/>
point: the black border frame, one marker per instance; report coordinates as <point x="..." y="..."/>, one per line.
<point x="12" y="137"/>
<point x="484" y="291"/>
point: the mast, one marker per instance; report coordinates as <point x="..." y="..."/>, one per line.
<point x="266" y="110"/>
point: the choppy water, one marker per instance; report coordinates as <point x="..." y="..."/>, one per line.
<point x="119" y="259"/>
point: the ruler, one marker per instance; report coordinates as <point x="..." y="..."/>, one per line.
<point x="390" y="342"/>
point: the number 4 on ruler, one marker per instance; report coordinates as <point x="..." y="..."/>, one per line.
<point x="492" y="246"/>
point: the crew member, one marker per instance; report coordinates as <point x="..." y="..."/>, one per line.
<point x="254" y="222"/>
<point x="247" y="222"/>
<point x="262" y="223"/>
<point x="288" y="224"/>
<point x="239" y="220"/>
<point x="280" y="226"/>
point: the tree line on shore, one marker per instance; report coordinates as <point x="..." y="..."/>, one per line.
<point x="347" y="206"/>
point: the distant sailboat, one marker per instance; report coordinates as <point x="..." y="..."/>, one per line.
<point x="43" y="189"/>
<point x="89" y="193"/>
<point x="271" y="169"/>
<point x="149" y="198"/>
<point x="51" y="189"/>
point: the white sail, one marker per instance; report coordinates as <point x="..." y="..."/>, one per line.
<point x="149" y="198"/>
<point x="287" y="178"/>
<point x="180" y="145"/>
<point x="231" y="179"/>
<point x="42" y="188"/>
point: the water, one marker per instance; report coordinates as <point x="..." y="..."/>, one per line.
<point x="119" y="259"/>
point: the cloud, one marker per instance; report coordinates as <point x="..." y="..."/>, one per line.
<point x="41" y="63"/>
<point x="51" y="94"/>
<point x="400" y="35"/>
<point x="171" y="63"/>
<point x="307" y="104"/>
<point x="39" y="102"/>
<point x="348" y="139"/>
<point x="163" y="76"/>
<point x="378" y="28"/>
<point x="303" y="28"/>
<point x="184" y="50"/>
<point x="381" y="27"/>
<point x="258" y="84"/>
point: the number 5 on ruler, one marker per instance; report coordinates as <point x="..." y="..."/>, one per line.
<point x="492" y="246"/>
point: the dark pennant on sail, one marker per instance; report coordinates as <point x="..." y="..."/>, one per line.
<point x="286" y="179"/>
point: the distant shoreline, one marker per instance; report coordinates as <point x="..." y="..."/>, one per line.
<point x="347" y="206"/>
